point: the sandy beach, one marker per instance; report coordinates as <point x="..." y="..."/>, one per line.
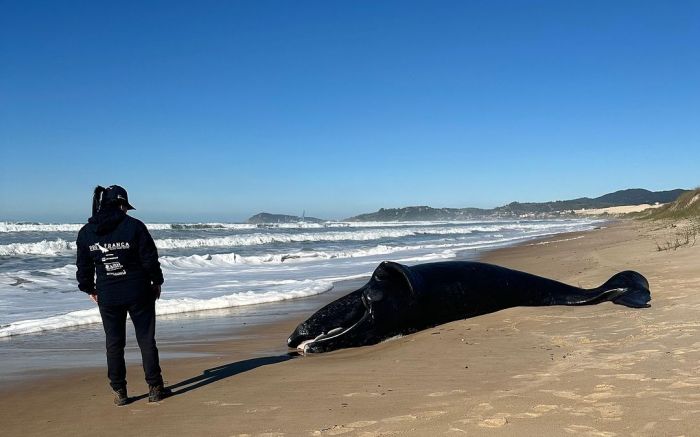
<point x="600" y="370"/>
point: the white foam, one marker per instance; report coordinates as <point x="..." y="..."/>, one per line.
<point x="355" y="235"/>
<point x="224" y="259"/>
<point x="200" y="226"/>
<point x="72" y="319"/>
<point x="228" y="259"/>
<point x="295" y="290"/>
<point x="59" y="246"/>
<point x="44" y="247"/>
<point x="6" y="227"/>
<point x="39" y="227"/>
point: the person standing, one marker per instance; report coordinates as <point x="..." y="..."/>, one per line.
<point x="120" y="252"/>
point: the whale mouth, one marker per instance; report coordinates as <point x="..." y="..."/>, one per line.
<point x="339" y="331"/>
<point x="332" y="334"/>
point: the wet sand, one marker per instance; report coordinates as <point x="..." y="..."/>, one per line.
<point x="598" y="370"/>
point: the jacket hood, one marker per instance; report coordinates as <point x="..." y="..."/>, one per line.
<point x="107" y="219"/>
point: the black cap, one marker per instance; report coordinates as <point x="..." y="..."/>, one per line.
<point x="115" y="193"/>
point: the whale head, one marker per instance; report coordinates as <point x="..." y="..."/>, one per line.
<point x="365" y="316"/>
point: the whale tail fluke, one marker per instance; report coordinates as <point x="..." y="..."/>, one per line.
<point x="632" y="289"/>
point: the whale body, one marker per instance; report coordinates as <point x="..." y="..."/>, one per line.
<point x="399" y="300"/>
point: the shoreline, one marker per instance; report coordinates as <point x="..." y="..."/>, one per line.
<point x="592" y="370"/>
<point x="80" y="349"/>
<point x="188" y="335"/>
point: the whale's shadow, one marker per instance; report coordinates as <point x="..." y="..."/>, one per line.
<point x="215" y="374"/>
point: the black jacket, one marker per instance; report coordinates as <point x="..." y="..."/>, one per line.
<point x="121" y="251"/>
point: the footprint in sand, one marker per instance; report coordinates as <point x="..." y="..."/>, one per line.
<point x="361" y="423"/>
<point x="403" y="418"/>
<point x="265" y="434"/>
<point x="482" y="408"/>
<point x="377" y="433"/>
<point x="441" y="404"/>
<point x="632" y="376"/>
<point x="563" y="394"/>
<point x="446" y="393"/>
<point x="334" y="430"/>
<point x="544" y="408"/>
<point x="362" y="395"/>
<point x="595" y="397"/>
<point x="421" y="415"/>
<point x="526" y="415"/>
<point x="588" y="431"/>
<point x="426" y="415"/>
<point x="353" y="427"/>
<point x="223" y="404"/>
<point x="497" y="420"/>
<point x="263" y="409"/>
<point x="493" y="422"/>
<point x="683" y="384"/>
<point x="533" y="376"/>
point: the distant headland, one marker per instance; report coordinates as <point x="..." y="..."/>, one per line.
<point x="558" y="208"/>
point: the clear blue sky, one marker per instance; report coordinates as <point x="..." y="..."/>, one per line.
<point x="219" y="110"/>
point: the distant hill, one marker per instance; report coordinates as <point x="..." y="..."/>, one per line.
<point x="418" y="213"/>
<point x="637" y="196"/>
<point x="265" y="217"/>
<point x="686" y="206"/>
<point x="633" y="196"/>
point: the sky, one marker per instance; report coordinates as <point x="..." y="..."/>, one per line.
<point x="218" y="110"/>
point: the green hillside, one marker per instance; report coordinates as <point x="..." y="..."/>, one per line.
<point x="634" y="196"/>
<point x="686" y="206"/>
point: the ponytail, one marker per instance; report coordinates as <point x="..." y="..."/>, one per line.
<point x="97" y="199"/>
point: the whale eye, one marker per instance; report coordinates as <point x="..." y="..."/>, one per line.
<point x="381" y="276"/>
<point x="374" y="295"/>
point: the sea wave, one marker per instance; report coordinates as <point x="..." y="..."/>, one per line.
<point x="194" y="263"/>
<point x="59" y="246"/>
<point x="336" y="236"/>
<point x="292" y="290"/>
<point x="224" y="259"/>
<point x="7" y="227"/>
<point x="43" y="248"/>
<point x="208" y="261"/>
<point x="10" y="227"/>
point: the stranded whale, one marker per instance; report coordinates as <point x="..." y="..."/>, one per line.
<point x="399" y="299"/>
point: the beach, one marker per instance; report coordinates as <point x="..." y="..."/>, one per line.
<point x="593" y="370"/>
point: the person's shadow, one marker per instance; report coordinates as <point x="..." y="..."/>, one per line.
<point x="215" y="374"/>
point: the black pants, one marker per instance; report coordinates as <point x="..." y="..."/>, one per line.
<point x="143" y="316"/>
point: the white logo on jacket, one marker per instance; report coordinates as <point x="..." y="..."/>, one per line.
<point x="121" y="245"/>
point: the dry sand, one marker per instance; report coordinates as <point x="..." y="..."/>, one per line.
<point x="601" y="370"/>
<point x="618" y="210"/>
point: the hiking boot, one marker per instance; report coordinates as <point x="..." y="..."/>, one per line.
<point x="120" y="397"/>
<point x="157" y="393"/>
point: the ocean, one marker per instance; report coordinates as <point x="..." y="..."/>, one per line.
<point x="214" y="266"/>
